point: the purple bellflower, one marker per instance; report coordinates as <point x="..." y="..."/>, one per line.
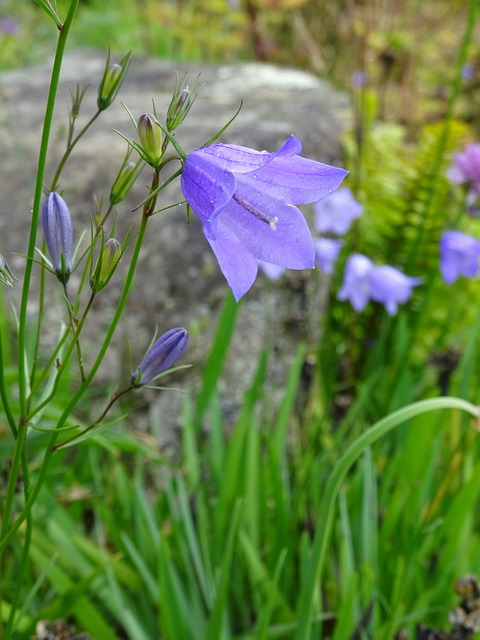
<point x="356" y="281"/>
<point x="245" y="201"/>
<point x="459" y="256"/>
<point x="161" y="356"/>
<point x="336" y="213"/>
<point x="465" y="169"/>
<point x="391" y="287"/>
<point x="326" y="253"/>
<point x="363" y="281"/>
<point x="58" y="232"/>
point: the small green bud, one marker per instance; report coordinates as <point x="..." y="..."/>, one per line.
<point x="112" y="80"/>
<point x="123" y="182"/>
<point x="107" y="262"/>
<point x="150" y="135"/>
<point x="181" y="103"/>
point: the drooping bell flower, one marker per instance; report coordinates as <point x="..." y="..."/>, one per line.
<point x="245" y="201"/>
<point x="161" y="356"/>
<point x="336" y="213"/>
<point x="391" y="287"/>
<point x="459" y="256"/>
<point x="58" y="232"/>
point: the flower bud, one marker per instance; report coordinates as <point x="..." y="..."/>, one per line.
<point x="112" y="80"/>
<point x="58" y="232"/>
<point x="124" y="181"/>
<point x="150" y="136"/>
<point x="106" y="264"/>
<point x="181" y="103"/>
<point x="161" y="356"/>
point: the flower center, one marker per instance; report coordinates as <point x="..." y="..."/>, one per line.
<point x="272" y="222"/>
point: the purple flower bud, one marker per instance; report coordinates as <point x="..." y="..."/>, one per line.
<point x="335" y="212"/>
<point x="58" y="232"/>
<point x="150" y="136"/>
<point x="181" y="103"/>
<point x="161" y="356"/>
<point x="459" y="256"/>
<point x="326" y="253"/>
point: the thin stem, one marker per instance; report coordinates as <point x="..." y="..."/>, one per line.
<point x="3" y="392"/>
<point x="116" y="396"/>
<point x="65" y="360"/>
<point x="42" y="159"/>
<point x="6" y="536"/>
<point x="325" y="521"/>
<point x="69" y="150"/>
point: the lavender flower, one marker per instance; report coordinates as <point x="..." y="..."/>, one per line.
<point x="363" y="281"/>
<point x="272" y="271"/>
<point x="459" y="256"/>
<point x="356" y="285"/>
<point x="244" y="199"/>
<point x="161" y="356"/>
<point x="326" y="253"/>
<point x="391" y="287"/>
<point x="335" y="213"/>
<point x="58" y="232"/>
<point x="465" y="169"/>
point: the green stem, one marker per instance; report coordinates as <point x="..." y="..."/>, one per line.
<point x="6" y="536"/>
<point x="3" y="392"/>
<point x="65" y="359"/>
<point x="69" y="150"/>
<point x="42" y="159"/>
<point x="116" y="396"/>
<point x="379" y="429"/>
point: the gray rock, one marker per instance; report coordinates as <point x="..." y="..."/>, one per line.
<point x="178" y="281"/>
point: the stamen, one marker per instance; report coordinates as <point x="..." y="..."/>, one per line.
<point x="272" y="222"/>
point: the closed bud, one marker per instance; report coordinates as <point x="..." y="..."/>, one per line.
<point x="161" y="356"/>
<point x="150" y="136"/>
<point x="181" y="103"/>
<point x="112" y="80"/>
<point x="124" y="181"/>
<point x="58" y="232"/>
<point x="106" y="264"/>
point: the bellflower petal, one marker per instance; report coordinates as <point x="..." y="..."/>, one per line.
<point x="336" y="213"/>
<point x="326" y="253"/>
<point x="363" y="281"/>
<point x="161" y="356"/>
<point x="459" y="256"/>
<point x="356" y="282"/>
<point x="391" y="287"/>
<point x="245" y="200"/>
